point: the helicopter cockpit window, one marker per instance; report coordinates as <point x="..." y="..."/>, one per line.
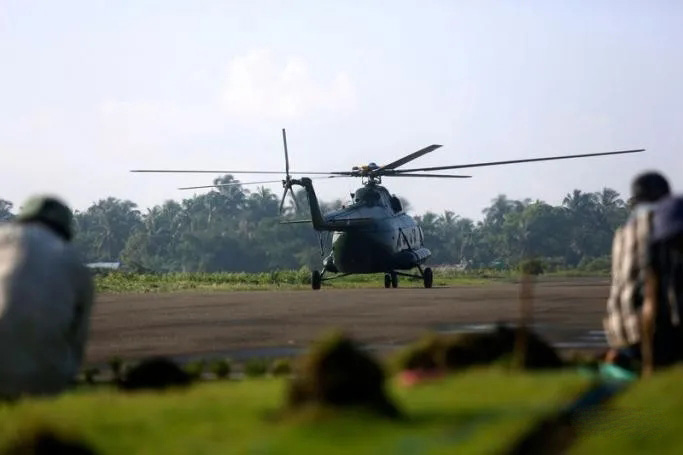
<point x="367" y="196"/>
<point x="396" y="205"/>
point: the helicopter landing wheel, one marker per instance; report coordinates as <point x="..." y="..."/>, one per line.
<point x="428" y="277"/>
<point x="316" y="280"/>
<point x="387" y="280"/>
<point x="394" y="280"/>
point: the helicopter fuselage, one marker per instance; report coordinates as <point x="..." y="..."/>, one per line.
<point x="372" y="235"/>
<point x="392" y="243"/>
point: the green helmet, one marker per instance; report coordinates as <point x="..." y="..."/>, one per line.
<point x="49" y="210"/>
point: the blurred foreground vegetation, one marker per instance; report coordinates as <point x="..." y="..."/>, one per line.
<point x="478" y="412"/>
<point x="231" y="229"/>
<point x="484" y="410"/>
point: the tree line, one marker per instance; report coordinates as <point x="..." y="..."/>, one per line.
<point x="234" y="229"/>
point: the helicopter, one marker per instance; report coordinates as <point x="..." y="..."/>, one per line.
<point x="373" y="234"/>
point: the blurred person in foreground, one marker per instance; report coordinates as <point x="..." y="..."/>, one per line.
<point x="46" y="294"/>
<point x="630" y="257"/>
<point x="663" y="305"/>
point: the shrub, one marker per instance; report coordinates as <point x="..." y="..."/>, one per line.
<point x="255" y="368"/>
<point x="155" y="373"/>
<point x="89" y="375"/>
<point x="454" y="352"/>
<point x="195" y="369"/>
<point x="221" y="368"/>
<point x="337" y="373"/>
<point x="281" y="367"/>
<point x="42" y="441"/>
<point x="554" y="264"/>
<point x="424" y="354"/>
<point x="599" y="264"/>
<point x="531" y="267"/>
<point x="116" y="366"/>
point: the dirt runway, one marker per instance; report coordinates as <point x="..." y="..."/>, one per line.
<point x="568" y="312"/>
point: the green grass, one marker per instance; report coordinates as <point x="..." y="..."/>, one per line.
<point x="647" y="418"/>
<point x="477" y="412"/>
<point x="118" y="282"/>
<point x="281" y="279"/>
<point x="578" y="273"/>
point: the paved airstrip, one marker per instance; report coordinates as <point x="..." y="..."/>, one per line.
<point x="239" y="324"/>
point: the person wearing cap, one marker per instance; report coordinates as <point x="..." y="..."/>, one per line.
<point x="46" y="294"/>
<point x="630" y="251"/>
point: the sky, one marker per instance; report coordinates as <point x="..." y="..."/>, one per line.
<point x="92" y="89"/>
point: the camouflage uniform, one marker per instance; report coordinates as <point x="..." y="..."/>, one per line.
<point x="46" y="295"/>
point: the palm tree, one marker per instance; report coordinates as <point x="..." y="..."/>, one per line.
<point x="262" y="203"/>
<point x="609" y="198"/>
<point x="495" y="213"/>
<point x="583" y="217"/>
<point x="580" y="203"/>
<point x="113" y="220"/>
<point x="612" y="208"/>
<point x="234" y="195"/>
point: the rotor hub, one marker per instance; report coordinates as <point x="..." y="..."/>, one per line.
<point x="365" y="170"/>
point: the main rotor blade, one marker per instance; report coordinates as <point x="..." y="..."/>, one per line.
<point x="407" y="158"/>
<point x="232" y="172"/>
<point x="284" y="141"/>
<point x="527" y="160"/>
<point x="253" y="183"/>
<point x="440" y="176"/>
<point x="228" y="184"/>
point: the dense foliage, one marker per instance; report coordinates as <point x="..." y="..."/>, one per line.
<point x="233" y="229"/>
<point x="575" y="233"/>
